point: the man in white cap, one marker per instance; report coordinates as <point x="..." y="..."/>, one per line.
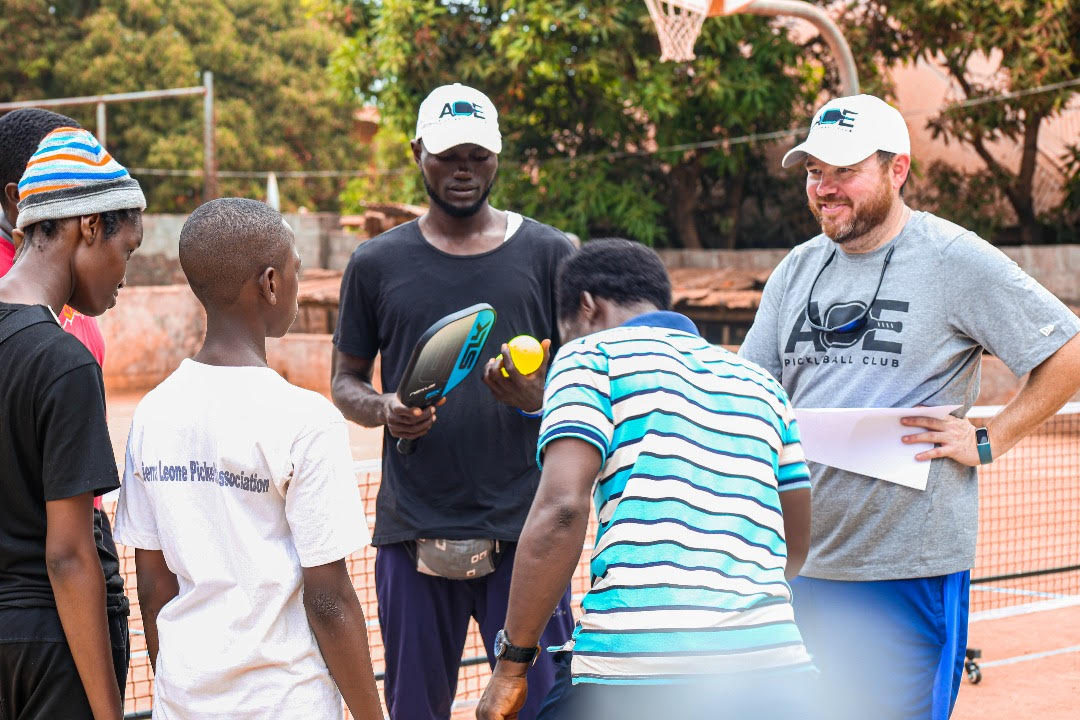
<point x="893" y="307"/>
<point x="448" y="516"/>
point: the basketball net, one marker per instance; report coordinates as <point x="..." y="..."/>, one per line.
<point x="678" y="28"/>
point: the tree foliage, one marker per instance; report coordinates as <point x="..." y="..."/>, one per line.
<point x="1026" y="45"/>
<point x="584" y="102"/>
<point x="275" y="109"/>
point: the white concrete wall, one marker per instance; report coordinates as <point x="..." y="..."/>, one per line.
<point x="319" y="240"/>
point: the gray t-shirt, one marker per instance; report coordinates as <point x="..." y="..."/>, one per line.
<point x="946" y="296"/>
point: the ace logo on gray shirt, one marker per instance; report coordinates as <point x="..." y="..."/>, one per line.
<point x="873" y="336"/>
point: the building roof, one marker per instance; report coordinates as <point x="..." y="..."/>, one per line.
<point x="695" y="289"/>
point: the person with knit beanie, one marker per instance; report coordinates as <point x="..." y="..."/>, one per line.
<point x="20" y="133"/>
<point x="62" y="648"/>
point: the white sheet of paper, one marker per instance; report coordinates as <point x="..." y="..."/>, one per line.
<point x="868" y="441"/>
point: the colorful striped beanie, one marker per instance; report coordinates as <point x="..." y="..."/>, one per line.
<point x="72" y="175"/>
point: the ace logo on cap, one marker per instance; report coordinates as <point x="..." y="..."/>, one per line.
<point x="462" y="108"/>
<point x="843" y="118"/>
<point x="847" y="130"/>
<point x="455" y="115"/>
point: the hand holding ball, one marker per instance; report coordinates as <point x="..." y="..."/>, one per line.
<point x="527" y="354"/>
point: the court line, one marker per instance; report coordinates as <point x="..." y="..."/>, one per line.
<point x="1016" y="591"/>
<point x="1030" y="656"/>
<point x="464" y="704"/>
<point x="367" y="466"/>
<point x="1027" y="609"/>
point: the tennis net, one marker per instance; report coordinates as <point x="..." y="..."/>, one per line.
<point x="1028" y="551"/>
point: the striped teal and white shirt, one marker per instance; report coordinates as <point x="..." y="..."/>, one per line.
<point x="697" y="445"/>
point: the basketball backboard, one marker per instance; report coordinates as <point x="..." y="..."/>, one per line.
<point x="711" y="8"/>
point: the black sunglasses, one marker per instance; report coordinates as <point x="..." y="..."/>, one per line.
<point x="855" y="324"/>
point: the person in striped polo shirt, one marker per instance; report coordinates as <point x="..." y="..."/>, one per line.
<point x="702" y="495"/>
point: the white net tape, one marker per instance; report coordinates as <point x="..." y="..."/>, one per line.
<point x="678" y="28"/>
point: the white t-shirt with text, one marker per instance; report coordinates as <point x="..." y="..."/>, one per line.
<point x="240" y="479"/>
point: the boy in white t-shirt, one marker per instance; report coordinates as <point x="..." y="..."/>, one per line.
<point x="240" y="499"/>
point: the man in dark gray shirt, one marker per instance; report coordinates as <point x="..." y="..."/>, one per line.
<point x="892" y="307"/>
<point x="461" y="499"/>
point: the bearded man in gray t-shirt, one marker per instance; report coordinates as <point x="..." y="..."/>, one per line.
<point x="891" y="307"/>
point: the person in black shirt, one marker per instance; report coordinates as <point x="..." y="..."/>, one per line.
<point x="20" y="133"/>
<point x="461" y="499"/>
<point x="79" y="221"/>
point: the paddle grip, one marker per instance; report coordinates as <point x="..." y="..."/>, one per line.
<point x="406" y="446"/>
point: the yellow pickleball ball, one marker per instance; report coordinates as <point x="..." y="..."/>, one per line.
<point x="527" y="354"/>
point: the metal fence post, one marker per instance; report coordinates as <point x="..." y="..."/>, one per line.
<point x="101" y="126"/>
<point x="210" y="178"/>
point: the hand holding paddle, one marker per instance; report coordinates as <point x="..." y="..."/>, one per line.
<point x="406" y="422"/>
<point x="443" y="356"/>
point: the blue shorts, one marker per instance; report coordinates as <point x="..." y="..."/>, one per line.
<point x="890" y="649"/>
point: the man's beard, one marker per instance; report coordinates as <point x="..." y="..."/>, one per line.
<point x="456" y="210"/>
<point x="862" y="220"/>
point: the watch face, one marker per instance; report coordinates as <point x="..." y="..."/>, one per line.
<point x="500" y="643"/>
<point x="981" y="436"/>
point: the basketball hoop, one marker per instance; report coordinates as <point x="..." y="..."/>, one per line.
<point x="678" y="23"/>
<point x="678" y="28"/>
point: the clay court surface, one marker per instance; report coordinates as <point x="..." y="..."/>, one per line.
<point x="1028" y="630"/>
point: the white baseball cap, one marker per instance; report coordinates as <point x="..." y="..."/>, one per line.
<point x="847" y="130"/>
<point x="455" y="115"/>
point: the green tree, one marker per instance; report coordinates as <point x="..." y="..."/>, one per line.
<point x="1067" y="218"/>
<point x="1031" y="44"/>
<point x="275" y="109"/>
<point x="584" y="102"/>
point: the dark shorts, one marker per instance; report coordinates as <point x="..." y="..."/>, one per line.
<point x="424" y="622"/>
<point x="38" y="677"/>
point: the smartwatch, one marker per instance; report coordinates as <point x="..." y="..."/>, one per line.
<point x="505" y="650"/>
<point x="982" y="444"/>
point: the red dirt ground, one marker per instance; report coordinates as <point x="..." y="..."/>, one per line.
<point x="1044" y="688"/>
